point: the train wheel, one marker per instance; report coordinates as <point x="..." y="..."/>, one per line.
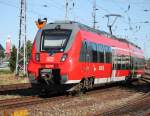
<point x="128" y="81"/>
<point x="85" y="84"/>
<point x="80" y="90"/>
<point x="81" y="87"/>
<point x="91" y="82"/>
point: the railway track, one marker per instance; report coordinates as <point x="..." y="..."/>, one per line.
<point x="147" y="72"/>
<point x="146" y="77"/>
<point x="33" y="100"/>
<point x="27" y="101"/>
<point x="138" y="106"/>
<point x="14" y="87"/>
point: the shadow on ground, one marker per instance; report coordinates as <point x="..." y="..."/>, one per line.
<point x="138" y="86"/>
<point x="21" y="92"/>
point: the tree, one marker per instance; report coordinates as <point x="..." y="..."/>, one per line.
<point x="2" y="54"/>
<point x="12" y="60"/>
<point x="29" y="49"/>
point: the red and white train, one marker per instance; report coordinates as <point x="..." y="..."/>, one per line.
<point x="69" y="53"/>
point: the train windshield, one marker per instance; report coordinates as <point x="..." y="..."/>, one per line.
<point x="55" y="40"/>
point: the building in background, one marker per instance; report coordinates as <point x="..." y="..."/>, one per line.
<point x="8" y="47"/>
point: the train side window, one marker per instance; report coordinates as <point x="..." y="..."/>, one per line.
<point x="127" y="62"/>
<point x="118" y="62"/>
<point x="104" y="50"/>
<point x="131" y="63"/>
<point x="108" y="55"/>
<point x="89" y="52"/>
<point x="94" y="52"/>
<point x="123" y="62"/>
<point x="101" y="53"/>
<point x="98" y="52"/>
<point x="83" y="52"/>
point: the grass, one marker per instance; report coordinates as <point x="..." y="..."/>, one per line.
<point x="7" y="77"/>
<point x="2" y="97"/>
<point x="5" y="71"/>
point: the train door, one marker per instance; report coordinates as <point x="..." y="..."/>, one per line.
<point x="133" y="67"/>
<point x="114" y="65"/>
<point x="86" y="59"/>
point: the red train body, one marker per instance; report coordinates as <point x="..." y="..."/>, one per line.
<point x="66" y="53"/>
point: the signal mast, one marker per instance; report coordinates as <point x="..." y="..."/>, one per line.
<point x="94" y="14"/>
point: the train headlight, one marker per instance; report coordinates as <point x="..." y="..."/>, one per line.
<point x="37" y="57"/>
<point x="64" y="57"/>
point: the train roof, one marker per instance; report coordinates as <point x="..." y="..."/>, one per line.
<point x="100" y="32"/>
<point x="106" y="34"/>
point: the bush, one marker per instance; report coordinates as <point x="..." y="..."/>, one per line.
<point x="12" y="60"/>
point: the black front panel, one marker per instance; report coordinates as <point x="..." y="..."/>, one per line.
<point x="54" y="40"/>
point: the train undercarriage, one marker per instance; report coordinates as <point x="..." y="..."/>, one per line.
<point x="51" y="82"/>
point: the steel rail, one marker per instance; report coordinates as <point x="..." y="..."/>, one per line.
<point x="142" y="104"/>
<point x="14" y="87"/>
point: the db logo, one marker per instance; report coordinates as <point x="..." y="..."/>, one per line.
<point x="101" y="67"/>
<point x="50" y="59"/>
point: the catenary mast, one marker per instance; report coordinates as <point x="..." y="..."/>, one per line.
<point x="21" y="51"/>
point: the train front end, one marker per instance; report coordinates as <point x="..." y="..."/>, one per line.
<point x="50" y="63"/>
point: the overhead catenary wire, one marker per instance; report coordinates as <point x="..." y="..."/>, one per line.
<point x="16" y="7"/>
<point x="126" y="9"/>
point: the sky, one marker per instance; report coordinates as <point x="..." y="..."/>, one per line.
<point x="132" y="24"/>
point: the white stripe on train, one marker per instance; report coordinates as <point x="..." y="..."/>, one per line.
<point x="102" y="80"/>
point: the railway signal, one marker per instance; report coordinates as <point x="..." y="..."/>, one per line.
<point x="40" y="23"/>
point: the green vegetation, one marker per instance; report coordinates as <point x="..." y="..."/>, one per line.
<point x="2" y="54"/>
<point x="6" y="79"/>
<point x="5" y="71"/>
<point x="29" y="49"/>
<point x="12" y="60"/>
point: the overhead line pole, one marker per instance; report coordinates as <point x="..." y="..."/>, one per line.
<point x="25" y="40"/>
<point x="66" y="9"/>
<point x="94" y="14"/>
<point x="21" y="68"/>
